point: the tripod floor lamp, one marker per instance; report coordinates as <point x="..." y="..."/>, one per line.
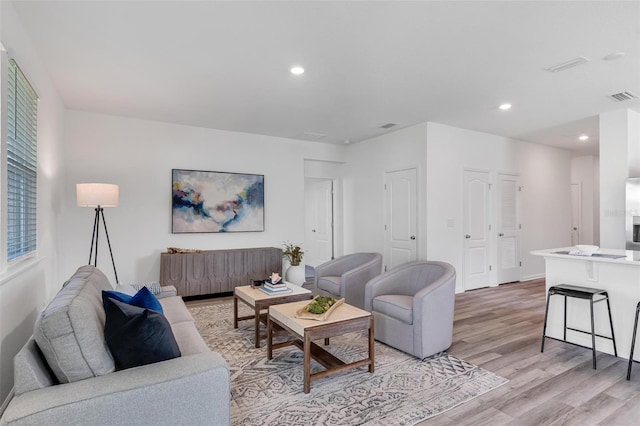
<point x="98" y="195"/>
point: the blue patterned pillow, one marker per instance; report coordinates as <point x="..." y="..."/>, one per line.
<point x="142" y="299"/>
<point x="137" y="336"/>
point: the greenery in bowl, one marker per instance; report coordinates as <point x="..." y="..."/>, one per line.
<point x="320" y="304"/>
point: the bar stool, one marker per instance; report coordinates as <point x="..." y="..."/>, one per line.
<point x="633" y="342"/>
<point x="584" y="293"/>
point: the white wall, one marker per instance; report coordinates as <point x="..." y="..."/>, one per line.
<point x="441" y="153"/>
<point x="26" y="288"/>
<point x="619" y="140"/>
<point x="138" y="155"/>
<point x="634" y="144"/>
<point x="366" y="165"/>
<point x="544" y="175"/>
<point x="584" y="171"/>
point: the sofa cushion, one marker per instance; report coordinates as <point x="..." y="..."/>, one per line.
<point x="137" y="336"/>
<point x="142" y="299"/>
<point x="175" y="310"/>
<point x="70" y="330"/>
<point x="189" y="340"/>
<point x="395" y="306"/>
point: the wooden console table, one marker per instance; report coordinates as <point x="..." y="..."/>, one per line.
<point x="217" y="271"/>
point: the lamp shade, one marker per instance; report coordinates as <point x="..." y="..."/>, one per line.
<point x="97" y="194"/>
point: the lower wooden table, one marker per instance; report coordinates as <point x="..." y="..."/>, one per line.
<point x="345" y="319"/>
<point x="259" y="301"/>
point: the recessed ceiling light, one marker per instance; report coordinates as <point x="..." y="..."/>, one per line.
<point x="297" y="70"/>
<point x="505" y="107"/>
<point x="583" y="137"/>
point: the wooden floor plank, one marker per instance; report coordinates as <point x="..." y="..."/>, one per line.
<point x="499" y="329"/>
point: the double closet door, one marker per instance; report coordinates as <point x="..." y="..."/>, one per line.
<point x="491" y="228"/>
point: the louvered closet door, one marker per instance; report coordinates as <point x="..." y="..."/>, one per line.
<point x="508" y="228"/>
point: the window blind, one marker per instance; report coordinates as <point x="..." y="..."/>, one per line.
<point x="22" y="113"/>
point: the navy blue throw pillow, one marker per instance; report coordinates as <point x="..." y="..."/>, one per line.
<point x="137" y="336"/>
<point x="143" y="299"/>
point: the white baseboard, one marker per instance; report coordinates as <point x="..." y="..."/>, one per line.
<point x="532" y="277"/>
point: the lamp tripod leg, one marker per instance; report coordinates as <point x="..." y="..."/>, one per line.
<point x="104" y="222"/>
<point x="94" y="238"/>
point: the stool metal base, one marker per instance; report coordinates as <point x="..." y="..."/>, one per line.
<point x="585" y="293"/>
<point x="633" y="342"/>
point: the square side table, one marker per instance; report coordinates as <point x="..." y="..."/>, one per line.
<point x="259" y="301"/>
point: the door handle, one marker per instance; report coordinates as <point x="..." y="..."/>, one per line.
<point x="413" y="237"/>
<point x="575" y="229"/>
<point x="501" y="235"/>
<point x="467" y="236"/>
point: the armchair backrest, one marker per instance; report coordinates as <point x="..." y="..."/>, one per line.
<point x="347" y="276"/>
<point x="343" y="264"/>
<point x="430" y="272"/>
<point x="410" y="278"/>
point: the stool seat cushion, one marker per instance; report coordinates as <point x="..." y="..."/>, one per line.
<point x="584" y="293"/>
<point x="575" y="291"/>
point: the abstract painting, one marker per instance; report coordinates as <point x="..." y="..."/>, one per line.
<point x="216" y="202"/>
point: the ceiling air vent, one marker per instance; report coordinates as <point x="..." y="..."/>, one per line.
<point x="569" y="64"/>
<point x="388" y="125"/>
<point x="623" y="96"/>
<point x="311" y="135"/>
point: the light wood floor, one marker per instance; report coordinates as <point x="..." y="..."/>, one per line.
<point x="499" y="329"/>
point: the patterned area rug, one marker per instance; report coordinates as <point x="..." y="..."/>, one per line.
<point x="402" y="391"/>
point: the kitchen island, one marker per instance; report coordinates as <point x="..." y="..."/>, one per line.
<point x="617" y="272"/>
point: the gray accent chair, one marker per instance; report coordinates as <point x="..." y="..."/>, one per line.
<point x="346" y="277"/>
<point x="412" y="306"/>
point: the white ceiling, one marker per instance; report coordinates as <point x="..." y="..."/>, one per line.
<point x="225" y="65"/>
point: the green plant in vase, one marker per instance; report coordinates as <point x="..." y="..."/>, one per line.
<point x="293" y="253"/>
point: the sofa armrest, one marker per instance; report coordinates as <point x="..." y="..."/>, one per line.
<point x="191" y="390"/>
<point x="167" y="291"/>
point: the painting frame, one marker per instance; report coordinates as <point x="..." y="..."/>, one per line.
<point x="216" y="202"/>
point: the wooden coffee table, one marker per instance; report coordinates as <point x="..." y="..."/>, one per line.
<point x="345" y="319"/>
<point x="259" y="301"/>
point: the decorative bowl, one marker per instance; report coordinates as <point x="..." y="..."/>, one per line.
<point x="587" y="249"/>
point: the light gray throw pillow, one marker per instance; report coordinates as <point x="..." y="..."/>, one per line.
<point x="70" y="330"/>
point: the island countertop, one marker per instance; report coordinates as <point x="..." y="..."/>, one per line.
<point x="629" y="257"/>
<point x="615" y="271"/>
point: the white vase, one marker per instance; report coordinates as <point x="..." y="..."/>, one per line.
<point x="295" y="275"/>
<point x="285" y="265"/>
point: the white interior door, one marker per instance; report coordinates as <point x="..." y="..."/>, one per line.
<point x="400" y="217"/>
<point x="476" y="227"/>
<point x="319" y="221"/>
<point x="576" y="212"/>
<point x="508" y="228"/>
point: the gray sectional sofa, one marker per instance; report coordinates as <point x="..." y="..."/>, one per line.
<point x="65" y="374"/>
